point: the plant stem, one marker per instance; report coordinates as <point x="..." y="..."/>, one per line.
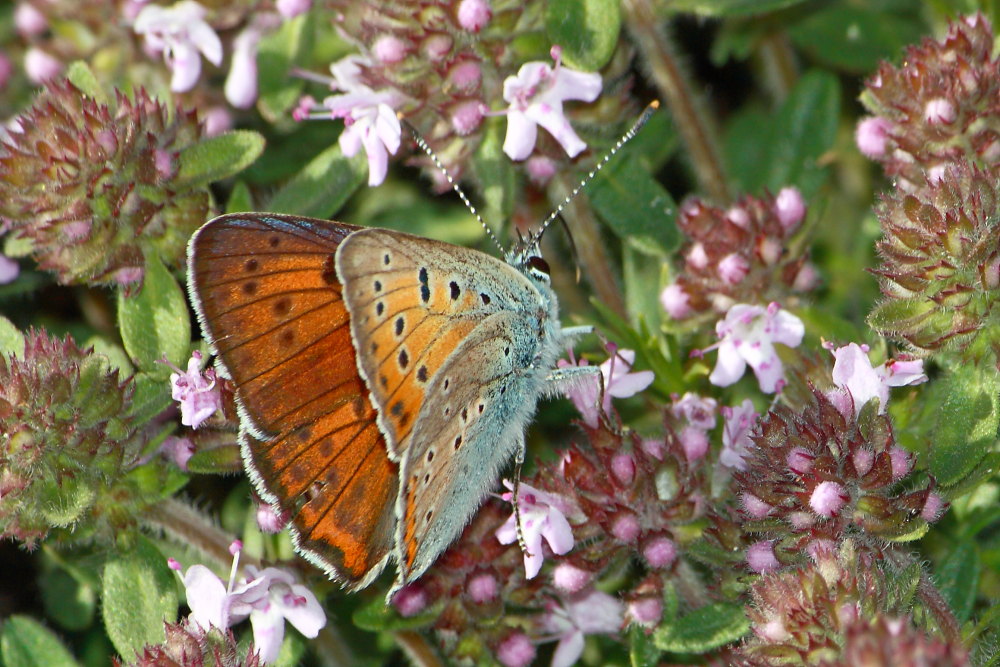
<point x="696" y="124"/>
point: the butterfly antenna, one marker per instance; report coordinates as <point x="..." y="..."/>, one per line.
<point x="632" y="131"/>
<point x="451" y="181"/>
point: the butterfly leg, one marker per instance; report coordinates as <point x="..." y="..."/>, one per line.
<point x="518" y="462"/>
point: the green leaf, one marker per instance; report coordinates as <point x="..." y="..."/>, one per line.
<point x="240" y="200"/>
<point x="729" y="8"/>
<point x="139" y="594"/>
<point x="69" y="601"/>
<point x="376" y="616"/>
<point x="81" y="76"/>
<point x="223" y="460"/>
<point x="152" y="394"/>
<point x="896" y="316"/>
<point x="635" y="206"/>
<point x="957" y="578"/>
<point x="217" y="157"/>
<point x="11" y="338"/>
<point x="24" y="642"/>
<point x="642" y="652"/>
<point x="323" y="185"/>
<point x="855" y="37"/>
<point x="703" y="630"/>
<point x="155" y="322"/>
<point x="276" y="55"/>
<point x="495" y="173"/>
<point x="587" y="31"/>
<point x="966" y="421"/>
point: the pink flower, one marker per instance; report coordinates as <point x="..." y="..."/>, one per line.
<point x="197" y="392"/>
<point x="747" y="336"/>
<point x="410" y="600"/>
<point x="389" y="49"/>
<point x="268" y="519"/>
<point x="9" y="270"/>
<point x="619" y="382"/>
<point x="180" y="33"/>
<point x="292" y="8"/>
<point x="542" y="515"/>
<point x="827" y="499"/>
<point x="646" y="611"/>
<point x="660" y="552"/>
<point x="733" y="268"/>
<point x="761" y="558"/>
<point x="569" y="578"/>
<point x="178" y="450"/>
<point x="789" y="207"/>
<point x="736" y="442"/>
<point x="933" y="507"/>
<point x="536" y="96"/>
<point x="28" y="20"/>
<point x="483" y="588"/>
<point x="694" y="441"/>
<point x="939" y="111"/>
<point x="41" y="66"/>
<point x="473" y="15"/>
<point x="698" y="411"/>
<point x="516" y="651"/>
<point x="215" y="603"/>
<point x="676" y="301"/>
<point x="872" y="136"/>
<point x="241" y="83"/>
<point x="584" y="614"/>
<point x="853" y="373"/>
<point x="286" y="601"/>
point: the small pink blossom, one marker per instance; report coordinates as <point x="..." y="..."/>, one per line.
<point x="286" y="600"/>
<point x="291" y="8"/>
<point x="619" y="382"/>
<point x="181" y="33"/>
<point x="900" y="461"/>
<point x="736" y="441"/>
<point x="827" y="499"/>
<point x="216" y="120"/>
<point x="623" y="468"/>
<point x="806" y="279"/>
<point x="436" y="47"/>
<point x="694" y="441"/>
<point x="178" y="450"/>
<point x="933" y="508"/>
<point x="660" y="552"/>
<point x="410" y="600"/>
<point x="761" y="558"/>
<point x="473" y="15"/>
<point x="747" y="336"/>
<point x="214" y="603"/>
<point x="583" y="614"/>
<point x="536" y="97"/>
<point x="853" y="372"/>
<point x="465" y="76"/>
<point x="773" y="631"/>
<point x="799" y="460"/>
<point x="733" y="268"/>
<point x="697" y="410"/>
<point x="41" y="66"/>
<point x="646" y="611"/>
<point x="754" y="506"/>
<point x="197" y="392"/>
<point x="9" y="269"/>
<point x="789" y="207"/>
<point x="569" y="578"/>
<point x="28" y="20"/>
<point x="697" y="257"/>
<point x="543" y="515"/>
<point x="625" y="528"/>
<point x="516" y="651"/>
<point x="872" y="136"/>
<point x="939" y="111"/>
<point x="482" y="588"/>
<point x="241" y="83"/>
<point x="540" y="169"/>
<point x="389" y="49"/>
<point x="676" y="301"/>
<point x="268" y="520"/>
<point x="863" y="460"/>
<point x="466" y="117"/>
<point x="738" y="216"/>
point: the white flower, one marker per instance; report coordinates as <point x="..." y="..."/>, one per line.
<point x="747" y="336"/>
<point x="543" y="514"/>
<point x="586" y="614"/>
<point x="180" y="33"/>
<point x="853" y="372"/>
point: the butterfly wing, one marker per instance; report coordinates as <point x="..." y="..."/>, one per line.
<point x="446" y="340"/>
<point x="412" y="302"/>
<point x="269" y="301"/>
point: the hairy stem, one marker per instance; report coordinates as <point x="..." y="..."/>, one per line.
<point x="696" y="124"/>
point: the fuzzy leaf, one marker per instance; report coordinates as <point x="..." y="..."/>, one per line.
<point x="958" y="578"/>
<point x="376" y="616"/>
<point x="155" y="322"/>
<point x="635" y="206"/>
<point x="223" y="460"/>
<point x="11" y="338"/>
<point x="587" y="31"/>
<point x="217" y="157"/>
<point x="24" y="642"/>
<point x="725" y="8"/>
<point x="703" y="630"/>
<point x="139" y="593"/>
<point x="323" y="185"/>
<point x="69" y="601"/>
<point x="966" y="421"/>
<point x="642" y="651"/>
<point x="81" y="76"/>
<point x="898" y="316"/>
<point x="276" y="55"/>
<point x="240" y="200"/>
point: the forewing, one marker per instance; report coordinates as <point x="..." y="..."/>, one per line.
<point x="413" y="302"/>
<point x="269" y="301"/>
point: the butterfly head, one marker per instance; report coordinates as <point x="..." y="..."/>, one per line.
<point x="526" y="257"/>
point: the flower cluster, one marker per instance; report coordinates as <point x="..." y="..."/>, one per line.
<point x="940" y="266"/>
<point x="66" y="441"/>
<point x="738" y="255"/>
<point x="816" y="477"/>
<point x="188" y="643"/>
<point x="94" y="185"/>
<point x="941" y="106"/>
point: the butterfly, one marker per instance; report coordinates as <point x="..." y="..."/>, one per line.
<point x="382" y="379"/>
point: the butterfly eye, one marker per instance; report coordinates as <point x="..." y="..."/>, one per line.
<point x="538" y="264"/>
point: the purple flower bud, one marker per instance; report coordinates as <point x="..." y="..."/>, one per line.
<point x="473" y="15"/>
<point x="540" y="169"/>
<point x="773" y="631"/>
<point x="646" y="611"/>
<point x="570" y="578"/>
<point x="410" y="600"/>
<point x="675" y="301"/>
<point x="694" y="441"/>
<point x="466" y="117"/>
<point x="790" y="208"/>
<point x="659" y="552"/>
<point x="761" y="558"/>
<point x="733" y="268"/>
<point x="828" y="498"/>
<point x="799" y="461"/>
<point x="465" y="76"/>
<point x="754" y="506"/>
<point x="769" y="250"/>
<point x="863" y="460"/>
<point x="482" y="588"/>
<point x="806" y="279"/>
<point x="436" y="47"/>
<point x="389" y="49"/>
<point x="872" y="135"/>
<point x="932" y="508"/>
<point x="625" y="528"/>
<point x="29" y="21"/>
<point x="291" y="8"/>
<point x="623" y="468"/>
<point x="901" y="462"/>
<point x="739" y="217"/>
<point x="268" y="520"/>
<point x="217" y="120"/>
<point x="939" y="111"/>
<point x="697" y="258"/>
<point x="40" y="66"/>
<point x="516" y="651"/>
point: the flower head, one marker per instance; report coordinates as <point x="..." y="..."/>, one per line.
<point x="536" y="97"/>
<point x="182" y="35"/>
<point x="747" y="336"/>
<point x="196" y="391"/>
<point x="542" y="515"/>
<point x="587" y="613"/>
<point x="853" y="372"/>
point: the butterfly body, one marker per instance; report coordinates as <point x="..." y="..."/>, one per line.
<point x="383" y="379"/>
